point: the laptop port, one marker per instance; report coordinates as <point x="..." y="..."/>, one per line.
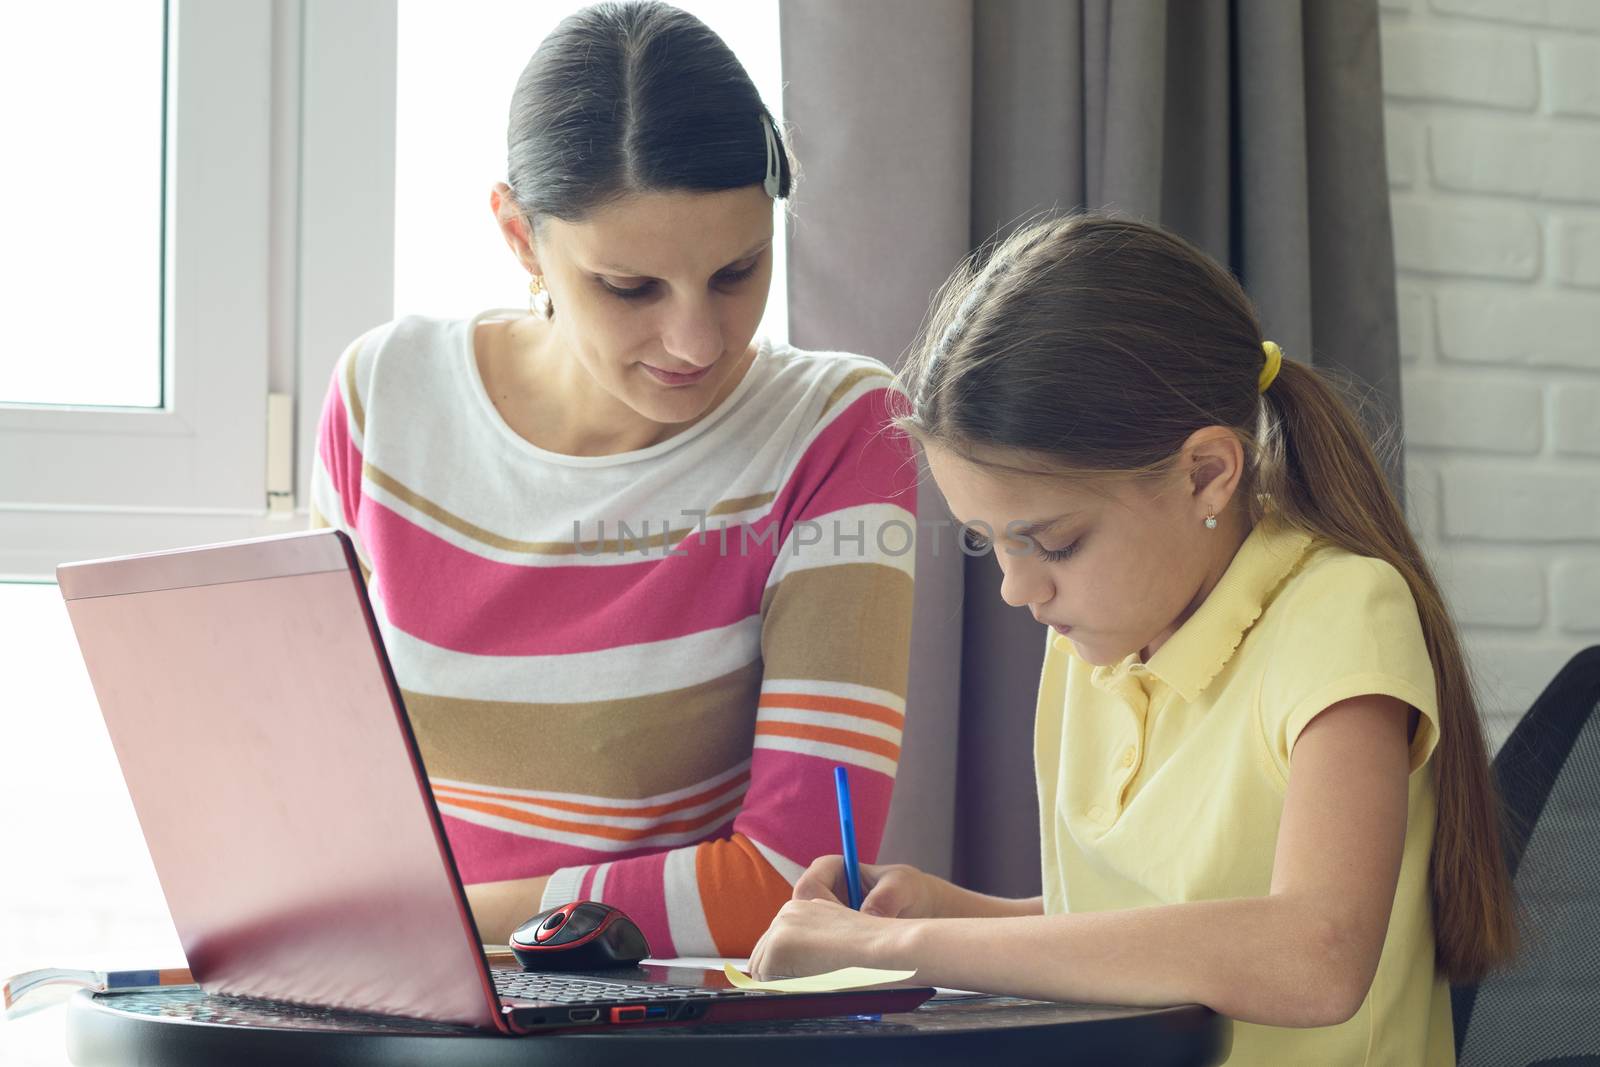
<point x="657" y="1012"/>
<point x="583" y="1015"/>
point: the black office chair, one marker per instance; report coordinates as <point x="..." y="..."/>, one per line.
<point x="1544" y="1010"/>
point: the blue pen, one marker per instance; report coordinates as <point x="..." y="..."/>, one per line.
<point x="847" y="835"/>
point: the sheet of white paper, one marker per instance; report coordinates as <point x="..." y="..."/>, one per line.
<point x="704" y="963"/>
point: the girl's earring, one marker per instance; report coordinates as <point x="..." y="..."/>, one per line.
<point x="539" y="297"/>
<point x="1211" y="522"/>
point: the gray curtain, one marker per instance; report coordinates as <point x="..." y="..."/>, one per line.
<point x="923" y="127"/>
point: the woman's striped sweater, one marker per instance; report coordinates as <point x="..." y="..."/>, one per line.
<point x="635" y="673"/>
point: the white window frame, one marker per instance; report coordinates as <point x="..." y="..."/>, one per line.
<point x="280" y="250"/>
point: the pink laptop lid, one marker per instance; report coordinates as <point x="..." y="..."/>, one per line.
<point x="275" y="777"/>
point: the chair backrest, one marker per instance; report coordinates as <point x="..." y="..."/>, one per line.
<point x="1545" y="1007"/>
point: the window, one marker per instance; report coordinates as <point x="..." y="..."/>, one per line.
<point x="83" y="222"/>
<point x="184" y="460"/>
<point x="86" y="473"/>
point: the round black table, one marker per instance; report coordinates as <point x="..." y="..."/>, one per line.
<point x="182" y="1025"/>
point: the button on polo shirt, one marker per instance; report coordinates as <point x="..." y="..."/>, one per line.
<point x="1164" y="782"/>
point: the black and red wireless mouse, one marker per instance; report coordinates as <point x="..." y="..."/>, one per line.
<point x="581" y="936"/>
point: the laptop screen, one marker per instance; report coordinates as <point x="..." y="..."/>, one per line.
<point x="275" y="777"/>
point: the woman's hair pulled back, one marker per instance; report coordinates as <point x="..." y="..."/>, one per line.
<point x="628" y="97"/>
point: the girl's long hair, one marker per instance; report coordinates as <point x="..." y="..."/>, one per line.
<point x="1095" y="346"/>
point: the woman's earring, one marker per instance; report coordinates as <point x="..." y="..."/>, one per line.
<point x="1211" y="522"/>
<point x="539" y="297"/>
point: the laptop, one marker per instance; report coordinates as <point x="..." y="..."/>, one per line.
<point x="274" y="773"/>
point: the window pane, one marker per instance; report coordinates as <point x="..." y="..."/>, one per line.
<point x="80" y="202"/>
<point x="458" y="64"/>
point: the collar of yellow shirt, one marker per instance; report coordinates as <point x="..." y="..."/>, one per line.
<point x="1202" y="646"/>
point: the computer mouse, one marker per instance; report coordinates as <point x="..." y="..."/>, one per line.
<point x="582" y="936"/>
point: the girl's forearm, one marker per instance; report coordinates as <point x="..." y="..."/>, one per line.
<point x="1266" y="960"/>
<point x="957" y="902"/>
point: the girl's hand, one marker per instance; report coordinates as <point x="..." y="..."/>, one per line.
<point x="890" y="890"/>
<point x="816" y="936"/>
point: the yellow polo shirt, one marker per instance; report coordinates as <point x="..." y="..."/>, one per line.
<point x="1163" y="782"/>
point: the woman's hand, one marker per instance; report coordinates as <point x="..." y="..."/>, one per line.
<point x="499" y="908"/>
<point x="816" y="936"/>
<point x="891" y="890"/>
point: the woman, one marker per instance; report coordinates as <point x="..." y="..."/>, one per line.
<point x="644" y="579"/>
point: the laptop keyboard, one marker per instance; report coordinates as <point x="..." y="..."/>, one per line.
<point x="585" y="989"/>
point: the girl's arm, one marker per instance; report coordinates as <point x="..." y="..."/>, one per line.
<point x="897" y="891"/>
<point x="1303" y="955"/>
<point x="957" y="901"/>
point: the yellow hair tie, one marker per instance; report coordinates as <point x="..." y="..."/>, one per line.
<point x="1270" y="370"/>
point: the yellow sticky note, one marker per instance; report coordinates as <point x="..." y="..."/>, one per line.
<point x="832" y="982"/>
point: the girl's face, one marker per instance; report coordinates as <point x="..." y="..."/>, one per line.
<point x="657" y="297"/>
<point x="1116" y="568"/>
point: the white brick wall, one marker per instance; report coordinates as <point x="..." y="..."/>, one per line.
<point x="1493" y="112"/>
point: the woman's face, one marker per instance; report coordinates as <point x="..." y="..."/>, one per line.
<point x="658" y="295"/>
<point x="1117" y="569"/>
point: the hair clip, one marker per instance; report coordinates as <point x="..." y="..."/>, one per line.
<point x="771" y="183"/>
<point x="1270" y="368"/>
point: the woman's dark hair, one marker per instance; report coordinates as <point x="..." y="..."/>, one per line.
<point x="1094" y="346"/>
<point x="632" y="97"/>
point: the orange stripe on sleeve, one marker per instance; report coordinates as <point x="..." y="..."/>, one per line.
<point x="454" y="793"/>
<point x="739" y="891"/>
<point x="828" y="735"/>
<point x="838" y="705"/>
<point x="614" y="833"/>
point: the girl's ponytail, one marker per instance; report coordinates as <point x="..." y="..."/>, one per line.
<point x="1318" y="470"/>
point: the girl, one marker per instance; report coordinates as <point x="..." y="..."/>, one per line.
<point x="1261" y="775"/>
<point x="644" y="578"/>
